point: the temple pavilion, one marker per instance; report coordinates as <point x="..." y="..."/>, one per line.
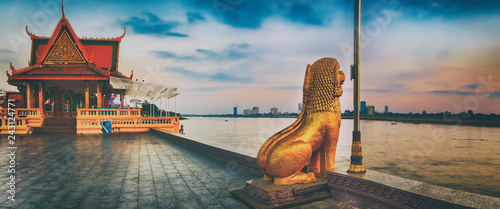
<point x="68" y="82"/>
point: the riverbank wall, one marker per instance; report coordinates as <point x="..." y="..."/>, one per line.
<point x="361" y="190"/>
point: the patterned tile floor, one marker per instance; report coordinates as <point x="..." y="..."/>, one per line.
<point x="134" y="170"/>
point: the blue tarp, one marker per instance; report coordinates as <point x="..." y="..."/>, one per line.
<point x="106" y="126"/>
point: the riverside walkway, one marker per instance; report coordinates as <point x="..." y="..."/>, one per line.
<point x="133" y="170"/>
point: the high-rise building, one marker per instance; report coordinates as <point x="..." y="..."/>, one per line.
<point x="235" y="111"/>
<point x="255" y="110"/>
<point x="363" y="107"/>
<point x="370" y="110"/>
<point x="274" y="111"/>
<point x="247" y="112"/>
<point x="300" y="107"/>
<point x="386" y="110"/>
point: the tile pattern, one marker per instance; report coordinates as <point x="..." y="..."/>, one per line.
<point x="133" y="170"/>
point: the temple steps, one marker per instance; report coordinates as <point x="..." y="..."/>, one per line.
<point x="59" y="122"/>
<point x="57" y="125"/>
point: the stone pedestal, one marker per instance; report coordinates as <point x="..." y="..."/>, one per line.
<point x="258" y="193"/>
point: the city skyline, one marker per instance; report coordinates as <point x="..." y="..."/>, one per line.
<point x="435" y="56"/>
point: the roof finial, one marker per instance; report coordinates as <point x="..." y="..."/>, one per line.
<point x="62" y="8"/>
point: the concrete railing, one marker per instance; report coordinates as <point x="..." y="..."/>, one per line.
<point x="88" y="121"/>
<point x="14" y="125"/>
<point x="108" y="112"/>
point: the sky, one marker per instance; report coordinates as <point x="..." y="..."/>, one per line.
<point x="432" y="55"/>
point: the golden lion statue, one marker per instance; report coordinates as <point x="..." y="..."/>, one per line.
<point x="312" y="138"/>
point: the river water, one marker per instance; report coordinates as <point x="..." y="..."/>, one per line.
<point x="460" y="157"/>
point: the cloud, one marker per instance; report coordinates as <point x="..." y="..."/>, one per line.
<point x="494" y="94"/>
<point x="251" y="14"/>
<point x="471" y="86"/>
<point x="303" y="13"/>
<point x="452" y="92"/>
<point x="211" y="88"/>
<point x="216" y="77"/>
<point x="194" y="17"/>
<point x="153" y="25"/>
<point x="233" y="52"/>
<point x="291" y="88"/>
<point x="377" y="90"/>
<point x="450" y="8"/>
<point x="5" y="51"/>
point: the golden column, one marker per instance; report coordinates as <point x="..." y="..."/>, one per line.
<point x="356" y="155"/>
<point x="70" y="109"/>
<point x="87" y="95"/>
<point x="122" y="98"/>
<point x="55" y="101"/>
<point x="29" y="95"/>
<point x="41" y="98"/>
<point x="62" y="101"/>
<point x="106" y="99"/>
<point x="99" y="95"/>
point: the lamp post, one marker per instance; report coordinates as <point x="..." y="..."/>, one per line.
<point x="356" y="155"/>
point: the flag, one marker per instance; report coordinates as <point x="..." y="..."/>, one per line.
<point x="48" y="101"/>
<point x="112" y="99"/>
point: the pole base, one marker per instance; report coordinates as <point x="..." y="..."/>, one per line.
<point x="356" y="169"/>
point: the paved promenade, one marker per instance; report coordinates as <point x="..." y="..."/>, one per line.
<point x="135" y="170"/>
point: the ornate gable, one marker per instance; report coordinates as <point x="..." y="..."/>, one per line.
<point x="64" y="51"/>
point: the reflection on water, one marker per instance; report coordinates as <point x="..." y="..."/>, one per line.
<point x="458" y="157"/>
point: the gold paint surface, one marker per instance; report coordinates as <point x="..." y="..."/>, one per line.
<point x="356" y="169"/>
<point x="64" y="51"/>
<point x="356" y="148"/>
<point x="312" y="139"/>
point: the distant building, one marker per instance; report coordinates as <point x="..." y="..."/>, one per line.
<point x="386" y="110"/>
<point x="370" y="110"/>
<point x="274" y="111"/>
<point x="255" y="110"/>
<point x="300" y="107"/>
<point x="235" y="111"/>
<point x="363" y="107"/>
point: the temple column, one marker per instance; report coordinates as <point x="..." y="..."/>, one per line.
<point x="106" y="99"/>
<point x="22" y="89"/>
<point x="62" y="101"/>
<point x="55" y="98"/>
<point x="70" y="103"/>
<point x="99" y="95"/>
<point x="41" y="99"/>
<point x="29" y="95"/>
<point x="122" y="98"/>
<point x="87" y="96"/>
<point x="35" y="95"/>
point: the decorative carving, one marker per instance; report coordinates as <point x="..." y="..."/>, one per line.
<point x="312" y="139"/>
<point x="132" y="75"/>
<point x="39" y="57"/>
<point x="388" y="197"/>
<point x="124" y="32"/>
<point x="12" y="68"/>
<point x="64" y="51"/>
<point x="29" y="34"/>
<point x="8" y="75"/>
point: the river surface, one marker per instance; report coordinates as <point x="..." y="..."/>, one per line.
<point x="460" y="157"/>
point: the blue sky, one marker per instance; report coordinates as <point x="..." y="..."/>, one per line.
<point x="416" y="55"/>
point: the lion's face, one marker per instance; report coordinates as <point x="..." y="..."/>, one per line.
<point x="325" y="85"/>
